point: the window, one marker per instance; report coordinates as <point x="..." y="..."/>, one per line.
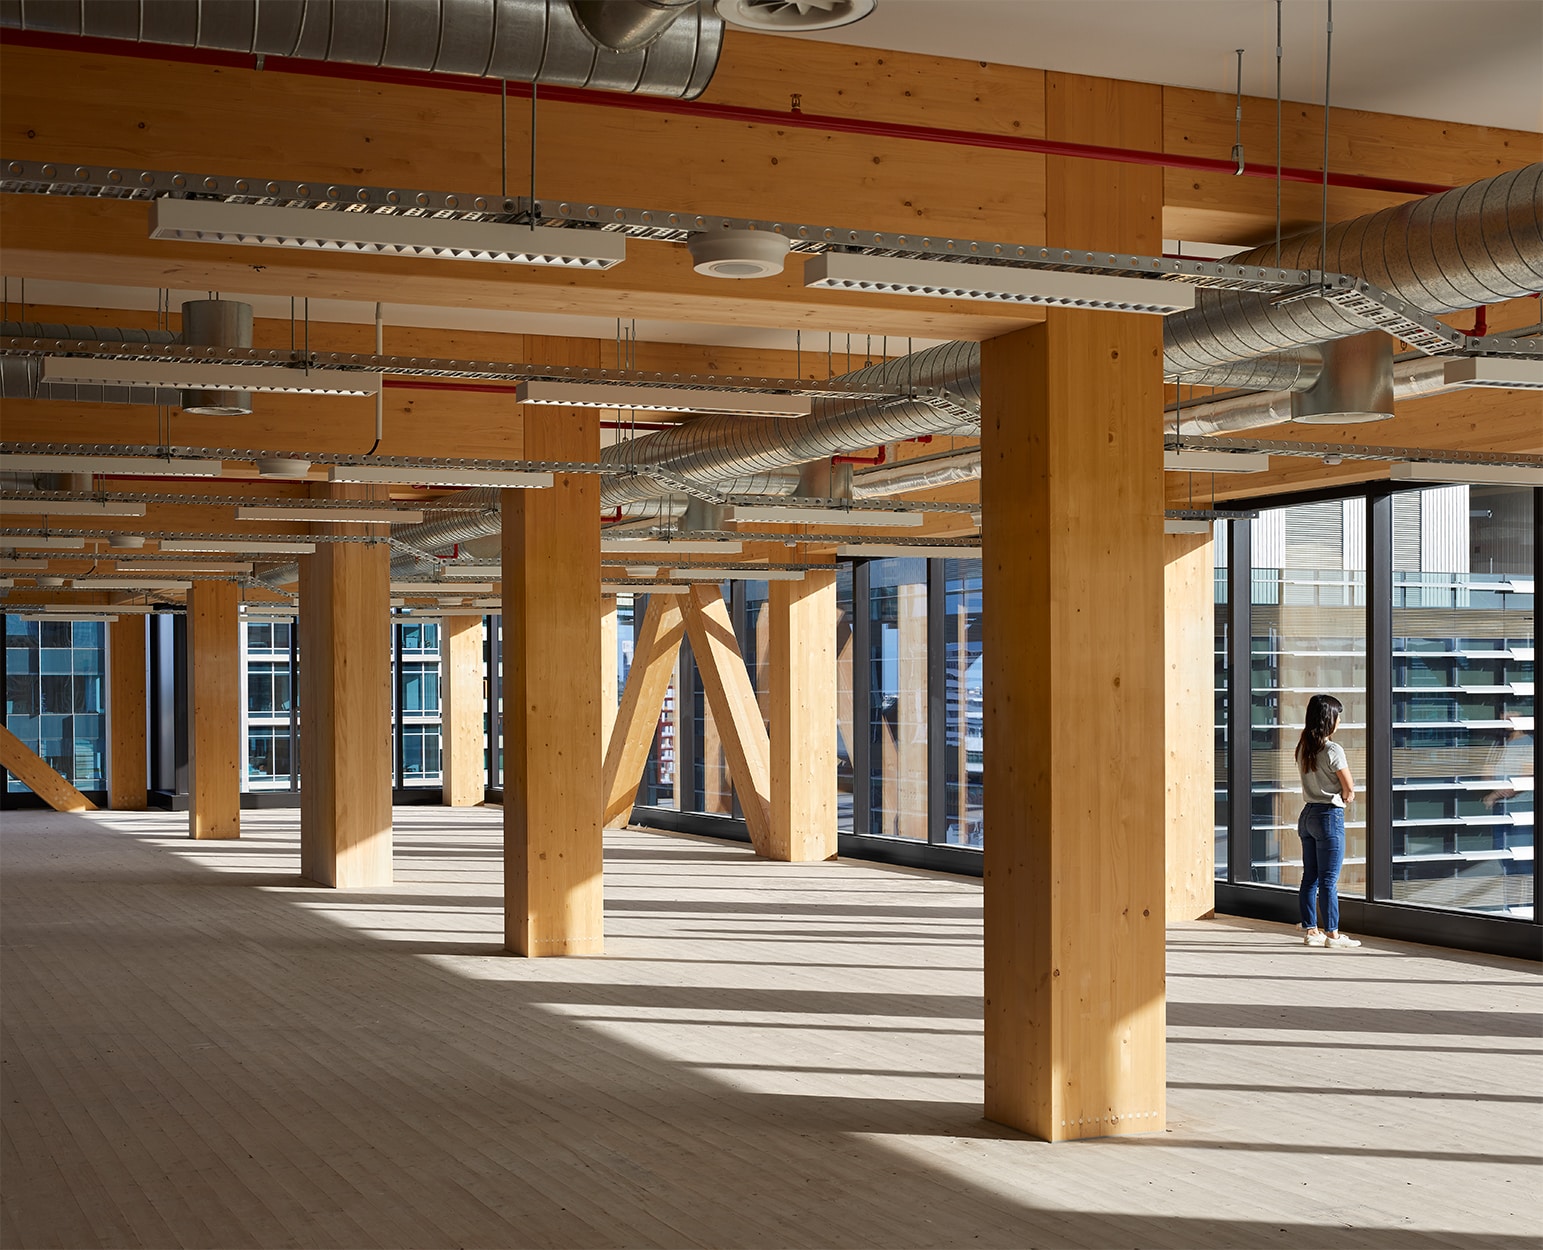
<point x="964" y="704"/>
<point x="271" y="713"/>
<point x="897" y="699"/>
<point x="1464" y="707"/>
<point x="54" y="697"/>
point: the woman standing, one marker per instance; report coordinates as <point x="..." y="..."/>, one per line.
<point x="1327" y="788"/>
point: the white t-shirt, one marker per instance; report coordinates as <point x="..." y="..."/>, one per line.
<point x="1321" y="784"/>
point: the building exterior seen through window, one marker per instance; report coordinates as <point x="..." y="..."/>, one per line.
<point x="54" y="696"/>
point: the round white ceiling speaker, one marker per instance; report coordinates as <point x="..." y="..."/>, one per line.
<point x="281" y="466"/>
<point x="131" y="542"/>
<point x="738" y="253"/>
<point x="793" y="15"/>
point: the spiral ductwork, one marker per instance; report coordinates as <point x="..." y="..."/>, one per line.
<point x="901" y="479"/>
<point x="1471" y="245"/>
<point x="712" y="450"/>
<point x="671" y="49"/>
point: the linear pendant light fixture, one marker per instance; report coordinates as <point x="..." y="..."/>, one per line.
<point x="947" y="279"/>
<point x="662" y="399"/>
<point x="383" y="234"/>
<point x="1472" y="474"/>
<point x="771" y="514"/>
<point x="736" y="575"/>
<point x="900" y="551"/>
<point x="346" y="516"/>
<point x="71" y="507"/>
<point x="1214" y="462"/>
<point x="130" y="583"/>
<point x="126" y="466"/>
<point x="255" y="546"/>
<point x="59" y="542"/>
<point x="513" y="479"/>
<point x="661" y="546"/>
<point x="651" y="588"/>
<point x="1494" y="371"/>
<point x="201" y="375"/>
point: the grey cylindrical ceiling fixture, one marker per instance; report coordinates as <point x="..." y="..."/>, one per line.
<point x="1356" y="383"/>
<point x="517" y="40"/>
<point x="626" y="27"/>
<point x="738" y="253"/>
<point x="217" y="323"/>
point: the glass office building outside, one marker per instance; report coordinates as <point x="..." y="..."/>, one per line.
<point x="55" y="700"/>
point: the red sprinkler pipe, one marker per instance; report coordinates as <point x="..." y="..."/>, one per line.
<point x="1480" y="322"/>
<point x="878" y="459"/>
<point x="697" y="109"/>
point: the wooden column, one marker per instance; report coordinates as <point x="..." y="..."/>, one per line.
<point x="609" y="690"/>
<point x="34" y="772"/>
<point x="128" y="767"/>
<point x="462" y="705"/>
<point x="214" y="710"/>
<point x="655" y="652"/>
<point x="1072" y="495"/>
<point x="803" y="718"/>
<point x="345" y="709"/>
<point x="726" y="684"/>
<point x="1189" y="597"/>
<point x="552" y="781"/>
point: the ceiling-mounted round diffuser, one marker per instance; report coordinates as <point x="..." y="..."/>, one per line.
<point x="738" y="253"/>
<point x="280" y="466"/>
<point x="793" y="15"/>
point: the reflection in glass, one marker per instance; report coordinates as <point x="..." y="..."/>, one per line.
<point x="897" y="703"/>
<point x="964" y="694"/>
<point x="1464" y="707"/>
<point x="1309" y="637"/>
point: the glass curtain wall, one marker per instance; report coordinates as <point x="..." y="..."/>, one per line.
<point x="1222" y="616"/>
<point x="1308" y="637"/>
<point x="415" y="656"/>
<point x="54" y="699"/>
<point x="897" y="663"/>
<point x="845" y="637"/>
<point x="964" y="704"/>
<point x="271" y="713"/>
<point x="1464" y="702"/>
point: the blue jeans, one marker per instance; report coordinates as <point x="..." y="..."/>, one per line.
<point x="1321" y="826"/>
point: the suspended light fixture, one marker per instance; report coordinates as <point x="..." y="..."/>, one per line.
<point x="514" y="479"/>
<point x="94" y="466"/>
<point x="737" y="575"/>
<point x="380" y="234"/>
<point x="947" y="279"/>
<point x="255" y="546"/>
<point x="343" y="516"/>
<point x="662" y="399"/>
<point x="71" y="507"/>
<point x="899" y="551"/>
<point x="58" y="542"/>
<point x="1214" y="462"/>
<point x="1494" y="371"/>
<point x="738" y="253"/>
<point x="648" y="588"/>
<point x="771" y="514"/>
<point x="199" y="375"/>
<point x="661" y="546"/>
<point x="1472" y="474"/>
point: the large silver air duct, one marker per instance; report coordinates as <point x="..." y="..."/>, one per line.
<point x="666" y="48"/>
<point x="711" y="450"/>
<point x="1471" y="245"/>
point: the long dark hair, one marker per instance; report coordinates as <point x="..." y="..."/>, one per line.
<point x="1322" y="720"/>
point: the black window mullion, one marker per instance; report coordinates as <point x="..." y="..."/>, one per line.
<point x="294" y="705"/>
<point x="1240" y="782"/>
<point x="1379" y="697"/>
<point x="937" y="699"/>
<point x="862" y="694"/>
<point x="401" y="707"/>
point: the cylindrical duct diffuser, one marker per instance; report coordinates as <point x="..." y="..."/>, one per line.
<point x="217" y="323"/>
<point x="1356" y="383"/>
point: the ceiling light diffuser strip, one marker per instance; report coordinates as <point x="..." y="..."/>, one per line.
<point x="255" y="546"/>
<point x="129" y="583"/>
<point x="893" y="275"/>
<point x="662" y="546"/>
<point x="439" y="588"/>
<point x="1214" y="462"/>
<point x="346" y="516"/>
<point x="770" y="514"/>
<point x="1507" y="374"/>
<point x="901" y="551"/>
<point x="663" y="399"/>
<point x="71" y="507"/>
<point x="642" y="588"/>
<point x="128" y="466"/>
<point x="737" y="575"/>
<point x="1472" y="474"/>
<point x="198" y="375"/>
<point x="382" y="234"/>
<point x="409" y="476"/>
<point x="60" y="542"/>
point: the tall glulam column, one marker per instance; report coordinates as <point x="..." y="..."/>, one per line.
<point x="214" y="710"/>
<point x="1071" y="488"/>
<point x="345" y="707"/>
<point x="127" y="781"/>
<point x="1189" y="739"/>
<point x="552" y="690"/>
<point x="462" y="704"/>
<point x="803" y="718"/>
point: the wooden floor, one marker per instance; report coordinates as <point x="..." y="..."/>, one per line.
<point x="199" y="1050"/>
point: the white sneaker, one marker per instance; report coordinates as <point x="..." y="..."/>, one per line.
<point x="1340" y="942"/>
<point x="1317" y="938"/>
